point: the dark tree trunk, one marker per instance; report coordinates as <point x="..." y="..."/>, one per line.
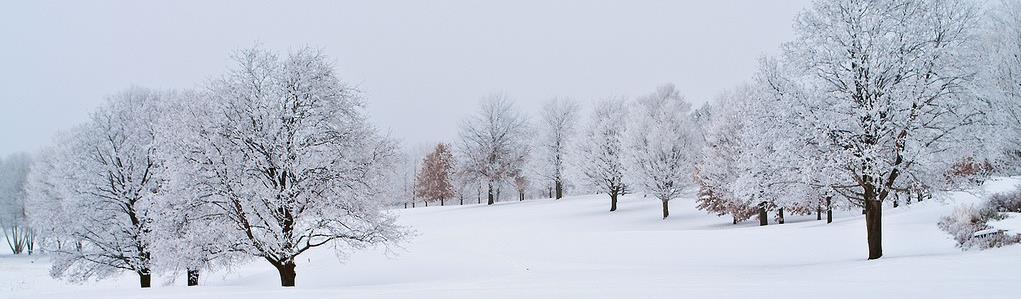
<point x="550" y="189"/>
<point x="818" y="211"/>
<point x="145" y="279"/>
<point x="560" y="189"/>
<point x="829" y="209"/>
<point x="287" y="274"/>
<point x="405" y="205"/>
<point x="779" y="217"/>
<point x="873" y="222"/>
<point x="426" y="203"/>
<point x="613" y="201"/>
<point x="491" y="201"/>
<point x="521" y="196"/>
<point x="666" y="209"/>
<point x="763" y="217"/>
<point x="461" y="198"/>
<point x="442" y="202"/>
<point x="735" y="220"/>
<point x="413" y="203"/>
<point x="193" y="277"/>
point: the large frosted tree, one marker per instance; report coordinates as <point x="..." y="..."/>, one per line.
<point x="494" y="142"/>
<point x="285" y="157"/>
<point x="888" y="86"/>
<point x="98" y="188"/>
<point x="663" y="145"/>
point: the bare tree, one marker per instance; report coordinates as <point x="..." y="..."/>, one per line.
<point x="557" y="126"/>
<point x="13" y="223"/>
<point x="494" y="142"/>
<point x="288" y="160"/>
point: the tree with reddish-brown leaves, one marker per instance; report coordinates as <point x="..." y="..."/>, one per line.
<point x="434" y="178"/>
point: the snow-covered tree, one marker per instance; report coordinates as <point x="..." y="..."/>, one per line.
<point x="190" y="239"/>
<point x="999" y="79"/>
<point x="495" y="142"/>
<point x="663" y="144"/>
<point x="285" y="157"/>
<point x="557" y="126"/>
<point x="13" y="223"/>
<point x="104" y="178"/>
<point x="602" y="150"/>
<point x="723" y="124"/>
<point x="887" y="83"/>
<point x="434" y="179"/>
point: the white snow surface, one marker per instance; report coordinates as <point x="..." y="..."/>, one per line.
<point x="575" y="248"/>
<point x="1010" y="225"/>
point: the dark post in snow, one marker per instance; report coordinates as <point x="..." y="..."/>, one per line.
<point x="763" y="217"/>
<point x="193" y="277"/>
<point x="779" y="218"/>
<point x="818" y="211"/>
<point x="145" y="278"/>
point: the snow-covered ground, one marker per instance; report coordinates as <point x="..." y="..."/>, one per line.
<point x="575" y="248"/>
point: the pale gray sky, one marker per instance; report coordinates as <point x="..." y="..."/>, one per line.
<point x="422" y="65"/>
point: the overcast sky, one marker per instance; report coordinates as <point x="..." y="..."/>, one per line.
<point x="422" y="65"/>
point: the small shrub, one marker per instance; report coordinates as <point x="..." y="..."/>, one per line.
<point x="966" y="221"/>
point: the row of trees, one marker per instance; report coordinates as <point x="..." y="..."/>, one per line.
<point x="874" y="102"/>
<point x="272" y="159"/>
<point x="653" y="147"/>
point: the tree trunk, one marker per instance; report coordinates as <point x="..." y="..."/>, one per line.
<point x="829" y="209"/>
<point x="426" y="203"/>
<point x="763" y="217"/>
<point x="818" y="211"/>
<point x="287" y="274"/>
<point x="412" y="204"/>
<point x="521" y="196"/>
<point x="735" y="220"/>
<point x="666" y="209"/>
<point x="613" y="201"/>
<point x="873" y="222"/>
<point x="560" y="189"/>
<point x="441" y="202"/>
<point x="779" y="218"/>
<point x="193" y="277"/>
<point x="145" y="279"/>
<point x="490" y="194"/>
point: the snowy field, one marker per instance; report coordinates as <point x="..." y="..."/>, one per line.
<point x="574" y="248"/>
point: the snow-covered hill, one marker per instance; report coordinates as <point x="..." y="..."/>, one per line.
<point x="575" y="248"/>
